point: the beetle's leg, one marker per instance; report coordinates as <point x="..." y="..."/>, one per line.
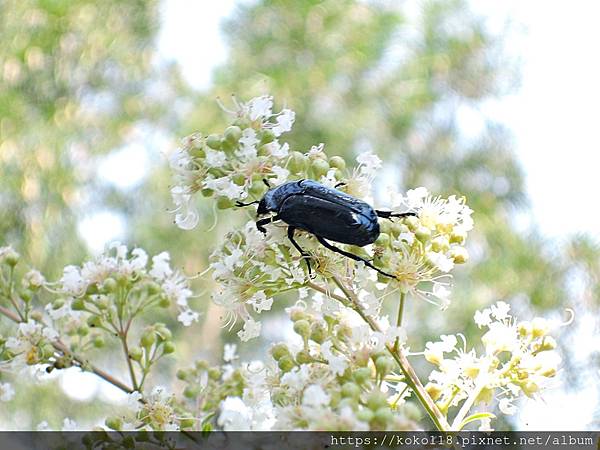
<point x="264" y="180"/>
<point x="340" y="184"/>
<point x="335" y="249"/>
<point x="240" y="204"/>
<point x="390" y="214"/>
<point x="306" y="255"/>
<point x="260" y="224"/>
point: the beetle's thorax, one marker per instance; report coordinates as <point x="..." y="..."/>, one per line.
<point x="274" y="198"/>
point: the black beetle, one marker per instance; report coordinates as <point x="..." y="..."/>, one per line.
<point x="325" y="212"/>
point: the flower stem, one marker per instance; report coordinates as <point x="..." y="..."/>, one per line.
<point x="412" y="379"/>
<point x="399" y="319"/>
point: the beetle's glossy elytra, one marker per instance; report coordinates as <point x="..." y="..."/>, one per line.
<point x="325" y="212"/>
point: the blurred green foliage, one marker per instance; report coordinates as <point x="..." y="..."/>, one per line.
<point x="76" y="77"/>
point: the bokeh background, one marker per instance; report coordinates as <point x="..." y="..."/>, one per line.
<point x="494" y="100"/>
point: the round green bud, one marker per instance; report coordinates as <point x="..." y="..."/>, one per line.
<point x="103" y="302"/>
<point x="319" y="167"/>
<point x="114" y="423"/>
<point x="412" y="223"/>
<point x="58" y="303"/>
<point x="164" y="333"/>
<point x="257" y="188"/>
<point x="127" y="442"/>
<point x="191" y="391"/>
<point x="365" y="415"/>
<point x="36" y="315"/>
<point x="26" y="295"/>
<point x="348" y="402"/>
<point x="279" y="351"/>
<point x="412" y="411"/>
<point x="109" y="285"/>
<point x="136" y="353"/>
<point x="302" y="327"/>
<point x="94" y="321"/>
<point x="362" y="375"/>
<point x="99" y="342"/>
<point x="201" y="364"/>
<point x="233" y="134"/>
<point x="383" y="240"/>
<point x="168" y="347"/>
<point x="164" y="301"/>
<point x="11" y="257"/>
<point x="207" y="192"/>
<point x="266" y="136"/>
<point x="239" y="179"/>
<point x="224" y="203"/>
<point x="303" y="357"/>
<point x="423" y="234"/>
<point x="214" y="373"/>
<point x="318" y="333"/>
<point x="376" y="400"/>
<point x="297" y="162"/>
<point x="286" y="364"/>
<point x="396" y="228"/>
<point x="384" y="365"/>
<point x="351" y="390"/>
<point x="297" y="314"/>
<point x="385" y="226"/>
<point x="83" y="330"/>
<point x="214" y="141"/>
<point x="183" y="374"/>
<point x="148" y="338"/>
<point x="383" y="416"/>
<point x="338" y="162"/>
<point x="227" y="146"/>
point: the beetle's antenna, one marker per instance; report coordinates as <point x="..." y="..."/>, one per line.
<point x="266" y="183"/>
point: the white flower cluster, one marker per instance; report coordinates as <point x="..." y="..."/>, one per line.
<point x="519" y="358"/>
<point x="231" y="166"/>
<point x="32" y="343"/>
<point x="99" y="279"/>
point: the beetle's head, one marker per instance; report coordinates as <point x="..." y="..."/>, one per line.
<point x="262" y="207"/>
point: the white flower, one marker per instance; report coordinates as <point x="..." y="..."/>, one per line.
<point x="500" y="310"/>
<point x="369" y="163"/>
<point x="229" y="352"/>
<point x="160" y="266"/>
<point x="315" y="396"/>
<point x="225" y="187"/>
<point x="186" y="216"/>
<point x="248" y="142"/>
<point x="251" y="330"/>
<point x="500" y="337"/>
<point x="282" y="175"/>
<point x="482" y="318"/>
<point x="260" y="107"/>
<point x="34" y="278"/>
<point x="235" y="415"/>
<point x="441" y="261"/>
<point x="507" y="407"/>
<point x="69" y="425"/>
<point x="278" y="150"/>
<point x="337" y="364"/>
<point x="434" y="351"/>
<point x="72" y="282"/>
<point x="285" y="120"/>
<point x="42" y="426"/>
<point x="215" y="158"/>
<point x="260" y="302"/>
<point x="187" y="316"/>
<point x="6" y="392"/>
<point x="176" y="288"/>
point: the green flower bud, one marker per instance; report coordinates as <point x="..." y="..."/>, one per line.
<point x="266" y="136"/>
<point x="383" y="240"/>
<point x="423" y="234"/>
<point x="319" y="167"/>
<point x="214" y="373"/>
<point x="303" y="357"/>
<point x="148" y="338"/>
<point x="224" y="203"/>
<point x="127" y="442"/>
<point x="286" y="364"/>
<point x="11" y="257"/>
<point x="58" y="303"/>
<point x="412" y="411"/>
<point x="207" y="192"/>
<point x="114" y="423"/>
<point x="214" y="141"/>
<point x="83" y="330"/>
<point x="168" y="347"/>
<point x="187" y="422"/>
<point x="297" y="314"/>
<point x="201" y="365"/>
<point x="136" y="353"/>
<point x="376" y="400"/>
<point x="318" y="333"/>
<point x="365" y="415"/>
<point x="279" y="351"/>
<point x="164" y="301"/>
<point x="257" y="189"/>
<point x="94" y="321"/>
<point x="297" y="162"/>
<point x="26" y="295"/>
<point x="302" y="327"/>
<point x="183" y="375"/>
<point x="103" y="302"/>
<point x="37" y="316"/>
<point x="349" y="402"/>
<point x="163" y="332"/>
<point x="459" y="255"/>
<point x="384" y="365"/>
<point x="227" y="146"/>
<point x="344" y="332"/>
<point x="338" y="162"/>
<point x="77" y="304"/>
<point x="412" y="223"/>
<point x="383" y="416"/>
<point x="351" y="390"/>
<point x="109" y="285"/>
<point x="191" y="391"/>
<point x="98" y="342"/>
<point x="233" y="134"/>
